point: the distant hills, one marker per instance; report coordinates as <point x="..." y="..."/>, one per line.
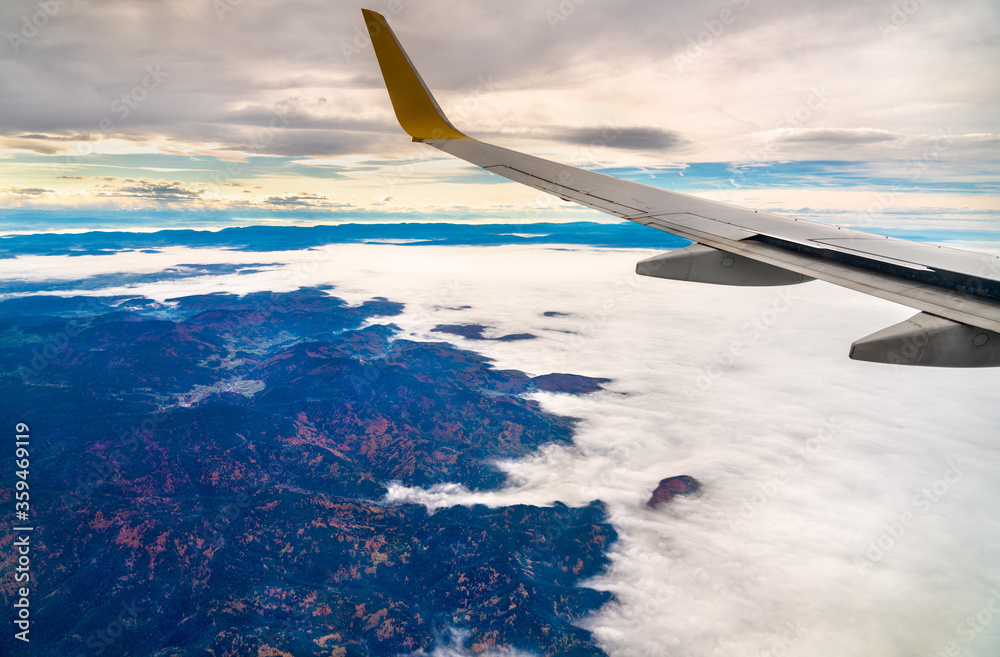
<point x="287" y="238"/>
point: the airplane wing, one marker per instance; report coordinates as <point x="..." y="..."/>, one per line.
<point x="956" y="292"/>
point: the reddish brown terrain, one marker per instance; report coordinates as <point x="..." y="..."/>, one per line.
<point x="207" y="478"/>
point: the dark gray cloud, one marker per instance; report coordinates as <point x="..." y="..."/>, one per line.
<point x="301" y="200"/>
<point x="76" y="137"/>
<point x="149" y="189"/>
<point x="626" y="138"/>
<point x="293" y="142"/>
<point x="26" y="192"/>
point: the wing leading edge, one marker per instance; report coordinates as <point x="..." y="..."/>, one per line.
<point x="956" y="292"/>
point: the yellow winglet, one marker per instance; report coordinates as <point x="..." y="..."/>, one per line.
<point x="415" y="107"/>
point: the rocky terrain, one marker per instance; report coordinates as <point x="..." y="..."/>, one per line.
<point x="671" y="487"/>
<point x="207" y="477"/>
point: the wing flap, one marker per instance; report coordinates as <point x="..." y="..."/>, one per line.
<point x="954" y="306"/>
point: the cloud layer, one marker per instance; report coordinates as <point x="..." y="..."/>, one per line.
<point x="847" y="508"/>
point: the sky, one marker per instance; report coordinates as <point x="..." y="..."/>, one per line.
<point x="210" y="113"/>
<point x="847" y="508"/>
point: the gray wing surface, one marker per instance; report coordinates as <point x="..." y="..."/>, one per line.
<point x="956" y="292"/>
